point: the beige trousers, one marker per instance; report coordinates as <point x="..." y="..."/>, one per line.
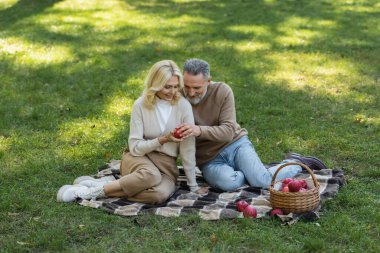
<point x="148" y="179"/>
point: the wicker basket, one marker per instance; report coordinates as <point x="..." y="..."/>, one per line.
<point x="295" y="202"/>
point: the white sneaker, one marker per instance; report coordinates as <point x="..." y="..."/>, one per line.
<point x="106" y="179"/>
<point x="69" y="193"/>
<point x="93" y="183"/>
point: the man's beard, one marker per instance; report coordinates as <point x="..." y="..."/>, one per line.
<point x="196" y="100"/>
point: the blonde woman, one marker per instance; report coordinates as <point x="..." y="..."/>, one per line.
<point x="149" y="171"/>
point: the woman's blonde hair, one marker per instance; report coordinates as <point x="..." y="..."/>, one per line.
<point x="158" y="76"/>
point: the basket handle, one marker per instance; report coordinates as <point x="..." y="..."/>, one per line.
<point x="295" y="163"/>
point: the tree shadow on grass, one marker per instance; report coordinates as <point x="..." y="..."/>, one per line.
<point x="54" y="115"/>
<point x="23" y="9"/>
<point x="339" y="28"/>
<point x="57" y="90"/>
<point x="227" y="25"/>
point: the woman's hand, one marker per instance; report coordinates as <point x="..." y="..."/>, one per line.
<point x="169" y="138"/>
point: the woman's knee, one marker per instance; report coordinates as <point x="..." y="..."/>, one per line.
<point x="152" y="177"/>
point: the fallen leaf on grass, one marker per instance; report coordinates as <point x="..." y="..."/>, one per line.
<point x="213" y="238"/>
<point x="22" y="243"/>
<point x="13" y="214"/>
<point x="358" y="119"/>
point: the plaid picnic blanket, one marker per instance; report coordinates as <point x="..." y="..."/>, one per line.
<point x="216" y="204"/>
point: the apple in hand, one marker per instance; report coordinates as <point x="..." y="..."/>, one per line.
<point x="177" y="133"/>
<point x="241" y="205"/>
<point x="250" y="212"/>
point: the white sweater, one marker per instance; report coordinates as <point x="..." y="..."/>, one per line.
<point x="145" y="130"/>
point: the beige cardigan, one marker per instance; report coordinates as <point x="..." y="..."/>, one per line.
<point x="145" y="130"/>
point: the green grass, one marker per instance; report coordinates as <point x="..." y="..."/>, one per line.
<point x="306" y="76"/>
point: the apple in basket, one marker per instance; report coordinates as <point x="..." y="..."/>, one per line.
<point x="177" y="133"/>
<point x="285" y="184"/>
<point x="295" y="185"/>
<point x="250" y="212"/>
<point x="241" y="205"/>
<point x="287" y="181"/>
<point x="304" y="184"/>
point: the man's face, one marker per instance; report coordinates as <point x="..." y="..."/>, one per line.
<point x="195" y="87"/>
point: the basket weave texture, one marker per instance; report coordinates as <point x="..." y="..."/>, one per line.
<point x="295" y="202"/>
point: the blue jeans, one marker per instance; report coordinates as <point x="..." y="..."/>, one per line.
<point x="238" y="163"/>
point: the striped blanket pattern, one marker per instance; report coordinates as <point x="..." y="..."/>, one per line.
<point x="216" y="204"/>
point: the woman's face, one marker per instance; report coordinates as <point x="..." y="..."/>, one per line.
<point x="170" y="89"/>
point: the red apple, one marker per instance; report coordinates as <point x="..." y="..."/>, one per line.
<point x="276" y="211"/>
<point x="295" y="186"/>
<point x="287" y="180"/>
<point x="303" y="190"/>
<point x="285" y="189"/>
<point x="241" y="205"/>
<point x="250" y="212"/>
<point x="304" y="184"/>
<point x="177" y="133"/>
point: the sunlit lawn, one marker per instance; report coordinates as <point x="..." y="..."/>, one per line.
<point x="306" y="77"/>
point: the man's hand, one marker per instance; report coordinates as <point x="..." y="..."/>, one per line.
<point x="188" y="130"/>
